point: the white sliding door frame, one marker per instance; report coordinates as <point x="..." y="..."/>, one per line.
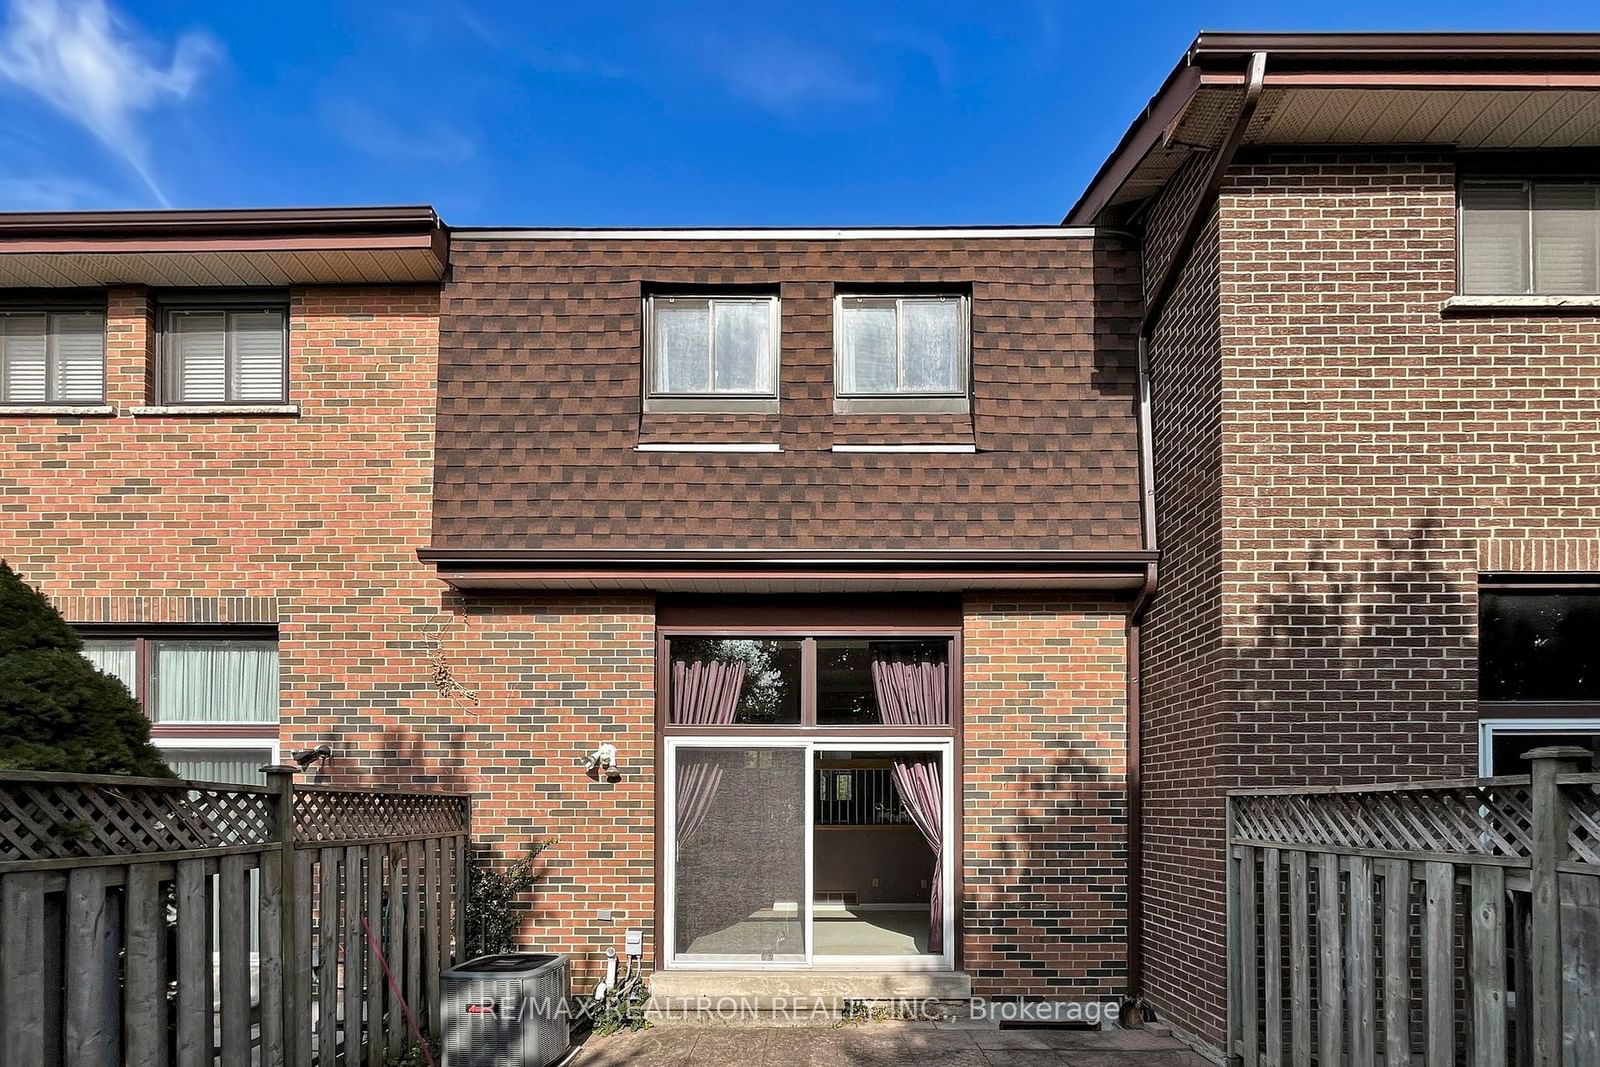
<point x="944" y="748"/>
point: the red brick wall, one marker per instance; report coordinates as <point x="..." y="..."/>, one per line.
<point x="553" y="678"/>
<point x="312" y="523"/>
<point x="1376" y="452"/>
<point x="1044" y="796"/>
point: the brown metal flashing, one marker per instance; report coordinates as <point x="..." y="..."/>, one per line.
<point x="689" y="558"/>
<point x="1113" y="570"/>
<point x="1200" y="213"/>
<point x="409" y="218"/>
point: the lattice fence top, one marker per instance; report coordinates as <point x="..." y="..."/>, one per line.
<point x="1492" y="818"/>
<point x="327" y="815"/>
<point x="1583" y="814"/>
<point x="51" y="817"/>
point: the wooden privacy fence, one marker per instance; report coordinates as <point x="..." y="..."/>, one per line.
<point x="1432" y="923"/>
<point x="160" y="922"/>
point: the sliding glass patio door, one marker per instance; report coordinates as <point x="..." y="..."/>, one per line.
<point x="739" y="863"/>
<point x="742" y="859"/>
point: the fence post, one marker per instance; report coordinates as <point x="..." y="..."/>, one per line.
<point x="281" y="778"/>
<point x="1231" y="881"/>
<point x="1549" y="849"/>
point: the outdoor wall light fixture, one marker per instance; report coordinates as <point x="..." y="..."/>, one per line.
<point x="602" y="762"/>
<point x="307" y="757"/>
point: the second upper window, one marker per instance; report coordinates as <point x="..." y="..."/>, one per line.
<point x="224" y="356"/>
<point x="712" y="352"/>
<point x="898" y="353"/>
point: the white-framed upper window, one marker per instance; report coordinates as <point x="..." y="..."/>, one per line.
<point x="901" y="352"/>
<point x="711" y="352"/>
<point x="1529" y="237"/>
<point x="214" y="355"/>
<point x="52" y="357"/>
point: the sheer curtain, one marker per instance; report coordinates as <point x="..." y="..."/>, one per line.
<point x="215" y="681"/>
<point x="706" y="692"/>
<point x="917" y="692"/>
<point x="117" y="658"/>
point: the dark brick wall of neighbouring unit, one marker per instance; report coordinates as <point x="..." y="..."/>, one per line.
<point x="1044" y="800"/>
<point x="540" y="401"/>
<point x="1377" y="451"/>
<point x="1183" y="704"/>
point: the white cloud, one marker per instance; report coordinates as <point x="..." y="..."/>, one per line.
<point x="787" y="76"/>
<point x="96" y="68"/>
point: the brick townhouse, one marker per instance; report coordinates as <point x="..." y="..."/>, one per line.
<point x="840" y="548"/>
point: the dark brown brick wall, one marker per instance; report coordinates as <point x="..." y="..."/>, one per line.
<point x="1183" y="735"/>
<point x="540" y="410"/>
<point x="1375" y="451"/>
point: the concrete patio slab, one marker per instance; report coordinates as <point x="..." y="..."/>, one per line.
<point x="885" y="1045"/>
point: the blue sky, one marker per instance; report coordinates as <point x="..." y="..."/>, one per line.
<point x="537" y="113"/>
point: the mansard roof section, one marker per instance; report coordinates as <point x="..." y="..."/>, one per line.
<point x="249" y="247"/>
<point x="1480" y="92"/>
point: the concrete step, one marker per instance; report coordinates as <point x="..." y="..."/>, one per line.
<point x="692" y="995"/>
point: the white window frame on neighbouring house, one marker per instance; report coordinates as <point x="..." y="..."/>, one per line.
<point x="1489" y="729"/>
<point x="52" y="365"/>
<point x="660" y="396"/>
<point x="850" y="398"/>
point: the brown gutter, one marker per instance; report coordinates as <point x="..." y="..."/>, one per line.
<point x="1200" y="216"/>
<point x="232" y="221"/>
<point x="534" y="558"/>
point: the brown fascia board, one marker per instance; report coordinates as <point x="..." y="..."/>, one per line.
<point x="88" y="224"/>
<point x="1367" y="60"/>
<point x="754" y="563"/>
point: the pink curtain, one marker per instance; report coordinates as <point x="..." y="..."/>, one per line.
<point x="916" y="692"/>
<point x="704" y="692"/>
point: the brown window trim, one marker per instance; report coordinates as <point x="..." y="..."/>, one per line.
<point x="699" y="607"/>
<point x="1551" y="709"/>
<point x="808" y="726"/>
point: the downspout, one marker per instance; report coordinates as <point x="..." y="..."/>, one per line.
<point x="1155" y="303"/>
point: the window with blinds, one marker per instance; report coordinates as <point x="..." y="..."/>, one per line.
<point x="52" y="357"/>
<point x="1530" y="237"/>
<point x="225" y="356"/>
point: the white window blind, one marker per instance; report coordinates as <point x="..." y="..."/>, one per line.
<point x="225" y="357"/>
<point x="714" y="345"/>
<point x="901" y="345"/>
<point x="52" y="357"/>
<point x="80" y="357"/>
<point x="1530" y="237"/>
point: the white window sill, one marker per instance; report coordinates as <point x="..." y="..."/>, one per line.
<point x="927" y="449"/>
<point x="1522" y="303"/>
<point x="757" y="446"/>
<point x="64" y="411"/>
<point x="216" y="409"/>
